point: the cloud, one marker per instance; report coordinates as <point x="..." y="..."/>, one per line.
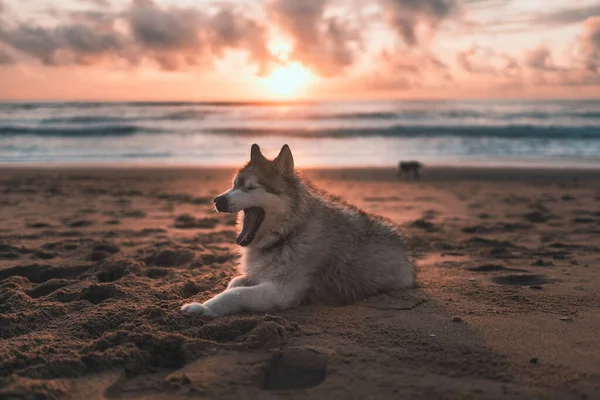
<point x="328" y="36"/>
<point x="381" y="44"/>
<point x="589" y="44"/>
<point x="68" y="43"/>
<point x="337" y="49"/>
<point x="483" y="60"/>
<point x="299" y="18"/>
<point x="85" y="41"/>
<point x="502" y="18"/>
<point x="97" y="19"/>
<point x="229" y="30"/>
<point x="540" y="59"/>
<point x="326" y="44"/>
<point x="99" y="3"/>
<point x="582" y="68"/>
<point x="566" y="16"/>
<point x="32" y="40"/>
<point x="407" y="69"/>
<point x="165" y="29"/>
<point x="413" y="63"/>
<point x="481" y="4"/>
<point x="174" y="38"/>
<point x="179" y="37"/>
<point x="406" y="16"/>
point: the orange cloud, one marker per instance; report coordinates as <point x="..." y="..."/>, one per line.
<point x="483" y="60"/>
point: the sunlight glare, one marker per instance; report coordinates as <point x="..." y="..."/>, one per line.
<point x="280" y="48"/>
<point x="288" y="79"/>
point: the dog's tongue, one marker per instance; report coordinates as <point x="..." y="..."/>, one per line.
<point x="253" y="217"/>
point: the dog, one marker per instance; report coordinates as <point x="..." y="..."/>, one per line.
<point x="300" y="245"/>
<point x="405" y="167"/>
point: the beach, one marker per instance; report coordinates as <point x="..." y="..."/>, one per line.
<point x="96" y="262"/>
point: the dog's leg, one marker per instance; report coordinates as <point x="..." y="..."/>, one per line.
<point x="238" y="281"/>
<point x="263" y="297"/>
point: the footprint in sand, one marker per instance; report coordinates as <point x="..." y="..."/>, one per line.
<point x="521" y="280"/>
<point x="494" y="268"/>
<point x="39" y="273"/>
<point x="45" y="288"/>
<point x="296" y="368"/>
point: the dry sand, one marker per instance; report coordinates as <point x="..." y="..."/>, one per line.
<point x="95" y="263"/>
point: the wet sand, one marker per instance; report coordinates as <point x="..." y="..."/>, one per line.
<point x="95" y="263"/>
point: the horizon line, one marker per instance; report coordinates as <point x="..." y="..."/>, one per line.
<point x="294" y="101"/>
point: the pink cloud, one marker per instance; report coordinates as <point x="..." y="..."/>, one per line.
<point x="484" y="60"/>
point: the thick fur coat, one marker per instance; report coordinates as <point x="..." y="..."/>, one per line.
<point x="309" y="246"/>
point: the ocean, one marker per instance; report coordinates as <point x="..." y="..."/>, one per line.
<point x="557" y="133"/>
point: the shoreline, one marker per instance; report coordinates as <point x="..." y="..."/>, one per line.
<point x="386" y="174"/>
<point x="506" y="164"/>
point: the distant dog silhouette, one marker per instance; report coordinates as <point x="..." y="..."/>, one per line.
<point x="405" y="167"/>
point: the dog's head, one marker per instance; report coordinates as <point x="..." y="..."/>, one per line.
<point x="260" y="190"/>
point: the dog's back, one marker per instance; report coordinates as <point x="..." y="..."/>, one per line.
<point x="368" y="256"/>
<point x="347" y="254"/>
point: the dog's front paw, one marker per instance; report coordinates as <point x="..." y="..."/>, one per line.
<point x="197" y="308"/>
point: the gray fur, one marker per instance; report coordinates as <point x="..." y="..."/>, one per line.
<point x="310" y="246"/>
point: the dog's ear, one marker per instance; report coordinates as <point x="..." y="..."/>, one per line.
<point x="255" y="154"/>
<point x="285" y="160"/>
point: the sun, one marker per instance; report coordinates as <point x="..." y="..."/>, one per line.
<point x="287" y="80"/>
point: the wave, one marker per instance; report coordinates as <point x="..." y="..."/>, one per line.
<point x="405" y="117"/>
<point x="52" y="105"/>
<point x="587" y="114"/>
<point x="406" y="131"/>
<point x="382" y="115"/>
<point x="92" y="119"/>
<point x="183" y="115"/>
<point x="509" y="132"/>
<point x="116" y="130"/>
<point x="84" y="120"/>
<point x="452" y="115"/>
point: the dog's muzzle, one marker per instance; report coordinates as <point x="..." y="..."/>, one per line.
<point x="222" y="204"/>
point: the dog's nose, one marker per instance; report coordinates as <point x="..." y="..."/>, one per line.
<point x="221" y="203"/>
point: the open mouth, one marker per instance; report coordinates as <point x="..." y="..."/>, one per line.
<point x="253" y="217"/>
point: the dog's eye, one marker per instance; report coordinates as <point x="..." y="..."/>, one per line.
<point x="250" y="187"/>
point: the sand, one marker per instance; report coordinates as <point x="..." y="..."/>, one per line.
<point x="95" y="263"/>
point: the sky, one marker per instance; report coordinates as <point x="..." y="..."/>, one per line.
<point x="228" y="50"/>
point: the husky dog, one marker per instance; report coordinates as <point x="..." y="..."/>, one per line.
<point x="405" y="167"/>
<point x="298" y="244"/>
